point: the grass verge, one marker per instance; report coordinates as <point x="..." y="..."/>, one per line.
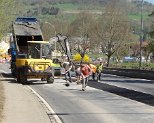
<point x="133" y="65"/>
<point x="1" y="100"/>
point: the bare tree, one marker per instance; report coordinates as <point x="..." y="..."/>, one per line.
<point x="81" y="29"/>
<point x="148" y="48"/>
<point x="112" y="29"/>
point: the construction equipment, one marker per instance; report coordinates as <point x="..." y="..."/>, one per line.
<point x="29" y="57"/>
<point x="64" y="43"/>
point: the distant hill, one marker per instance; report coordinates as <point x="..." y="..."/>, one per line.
<point x="52" y="7"/>
<point x="83" y="1"/>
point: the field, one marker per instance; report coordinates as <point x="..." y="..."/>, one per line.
<point x="67" y="7"/>
<point x="69" y="11"/>
<point x="137" y="17"/>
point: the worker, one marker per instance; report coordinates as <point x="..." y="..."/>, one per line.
<point x="78" y="73"/>
<point x="93" y="69"/>
<point x="99" y="70"/>
<point x="68" y="66"/>
<point x="85" y="73"/>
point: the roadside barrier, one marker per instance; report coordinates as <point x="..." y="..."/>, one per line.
<point x="134" y="73"/>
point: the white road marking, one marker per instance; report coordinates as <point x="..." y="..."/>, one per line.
<point x="47" y="105"/>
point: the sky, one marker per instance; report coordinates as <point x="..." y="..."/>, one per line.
<point x="151" y="1"/>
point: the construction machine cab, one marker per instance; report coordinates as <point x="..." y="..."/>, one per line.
<point x="38" y="49"/>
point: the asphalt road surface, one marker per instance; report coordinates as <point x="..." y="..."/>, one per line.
<point x="113" y="100"/>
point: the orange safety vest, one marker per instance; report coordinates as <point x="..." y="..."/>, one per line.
<point x="93" y="68"/>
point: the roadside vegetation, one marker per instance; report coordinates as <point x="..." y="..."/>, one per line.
<point x="1" y="100"/>
<point x="111" y="28"/>
<point x="133" y="65"/>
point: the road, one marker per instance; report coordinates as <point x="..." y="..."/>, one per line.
<point x="113" y="100"/>
<point x="141" y="85"/>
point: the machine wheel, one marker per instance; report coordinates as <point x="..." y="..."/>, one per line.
<point x="57" y="72"/>
<point x="14" y="73"/>
<point x="13" y="70"/>
<point x="22" y="77"/>
<point x="50" y="79"/>
<point x="43" y="79"/>
<point x="18" y="78"/>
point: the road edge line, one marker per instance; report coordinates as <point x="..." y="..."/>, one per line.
<point x="46" y="104"/>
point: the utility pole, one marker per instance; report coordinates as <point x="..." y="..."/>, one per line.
<point x="141" y="35"/>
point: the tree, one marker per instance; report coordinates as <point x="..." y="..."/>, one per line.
<point x="152" y="25"/>
<point x="148" y="49"/>
<point x="112" y="30"/>
<point x="82" y="24"/>
<point x="9" y="9"/>
<point x="3" y="17"/>
<point x="80" y="31"/>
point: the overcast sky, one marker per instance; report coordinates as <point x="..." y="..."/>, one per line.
<point x="151" y="1"/>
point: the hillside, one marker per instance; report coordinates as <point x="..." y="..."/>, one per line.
<point x="54" y="7"/>
<point x="47" y="10"/>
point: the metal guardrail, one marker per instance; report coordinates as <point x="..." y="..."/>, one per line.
<point x="134" y="73"/>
